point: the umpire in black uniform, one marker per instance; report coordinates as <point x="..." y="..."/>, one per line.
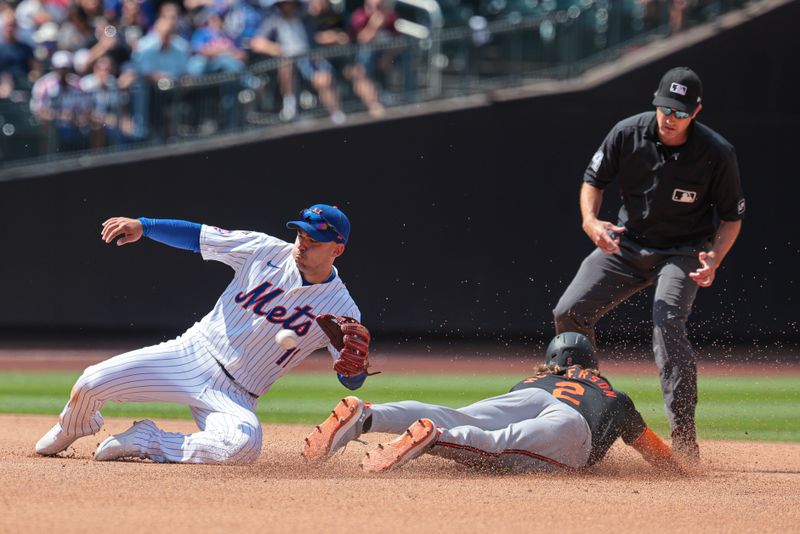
<point x="682" y="206"/>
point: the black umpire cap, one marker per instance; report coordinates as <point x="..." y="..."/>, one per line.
<point x="680" y="89"/>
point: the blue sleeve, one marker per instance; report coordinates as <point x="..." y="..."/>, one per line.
<point x="352" y="382"/>
<point x="172" y="232"/>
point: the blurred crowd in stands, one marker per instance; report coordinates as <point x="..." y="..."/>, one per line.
<point x="102" y="72"/>
<point x="90" y="68"/>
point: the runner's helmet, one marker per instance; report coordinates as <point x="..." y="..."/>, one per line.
<point x="571" y="348"/>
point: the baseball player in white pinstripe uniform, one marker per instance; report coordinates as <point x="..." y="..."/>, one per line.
<point x="222" y="364"/>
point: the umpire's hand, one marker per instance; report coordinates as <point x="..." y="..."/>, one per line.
<point x="130" y="230"/>
<point x="704" y="276"/>
<point x="603" y="234"/>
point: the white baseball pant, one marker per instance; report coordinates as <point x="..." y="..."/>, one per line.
<point x="180" y="371"/>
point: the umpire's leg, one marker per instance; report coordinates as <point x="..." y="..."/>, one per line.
<point x="677" y="364"/>
<point x="602" y="282"/>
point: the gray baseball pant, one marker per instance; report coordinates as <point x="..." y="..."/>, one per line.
<point x="524" y="430"/>
<point x="606" y="280"/>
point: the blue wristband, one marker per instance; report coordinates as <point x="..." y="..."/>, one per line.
<point x="352" y="382"/>
<point x="173" y="232"/>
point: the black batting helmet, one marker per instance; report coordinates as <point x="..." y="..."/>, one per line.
<point x="571" y="348"/>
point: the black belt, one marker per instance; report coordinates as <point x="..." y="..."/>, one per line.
<point x="233" y="379"/>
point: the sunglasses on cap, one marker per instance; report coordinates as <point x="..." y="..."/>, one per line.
<point x="318" y="221"/>
<point x="678" y="114"/>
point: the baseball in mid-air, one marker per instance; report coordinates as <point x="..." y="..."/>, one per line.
<point x="288" y="339"/>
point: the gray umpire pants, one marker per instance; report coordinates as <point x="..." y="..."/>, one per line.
<point x="606" y="280"/>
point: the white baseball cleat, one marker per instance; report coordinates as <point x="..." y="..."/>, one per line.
<point x="126" y="444"/>
<point x="415" y="441"/>
<point x="342" y="426"/>
<point x="54" y="441"/>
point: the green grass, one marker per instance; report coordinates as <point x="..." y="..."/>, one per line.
<point x="741" y="408"/>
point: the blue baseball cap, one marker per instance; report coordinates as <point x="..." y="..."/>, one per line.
<point x="324" y="223"/>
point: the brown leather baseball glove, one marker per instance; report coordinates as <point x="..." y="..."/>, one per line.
<point x="351" y="339"/>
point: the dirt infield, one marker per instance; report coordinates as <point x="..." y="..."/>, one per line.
<point x="742" y="487"/>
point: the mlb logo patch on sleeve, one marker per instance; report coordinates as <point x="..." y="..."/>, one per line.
<point x="686" y="197"/>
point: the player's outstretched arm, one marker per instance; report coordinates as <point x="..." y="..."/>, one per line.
<point x="655" y="451"/>
<point x="172" y="232"/>
<point x="130" y="229"/>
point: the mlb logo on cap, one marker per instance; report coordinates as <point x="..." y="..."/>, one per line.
<point x="678" y="88"/>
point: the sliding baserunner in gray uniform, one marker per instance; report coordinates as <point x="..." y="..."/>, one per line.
<point x="565" y="416"/>
<point x="676" y="177"/>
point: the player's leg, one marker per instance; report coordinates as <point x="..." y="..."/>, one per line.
<point x="345" y="423"/>
<point x="173" y="371"/>
<point x="602" y="282"/>
<point x="412" y="443"/>
<point x="559" y="437"/>
<point x="674" y="355"/>
<point x="555" y="436"/>
<point x="352" y="417"/>
<point x="230" y="431"/>
<point x="488" y="414"/>
<point x="395" y="417"/>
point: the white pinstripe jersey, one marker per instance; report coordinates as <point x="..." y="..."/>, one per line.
<point x="266" y="295"/>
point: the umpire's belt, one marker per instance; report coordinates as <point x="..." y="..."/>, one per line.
<point x="233" y="379"/>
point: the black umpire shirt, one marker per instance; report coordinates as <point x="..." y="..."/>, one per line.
<point x="670" y="195"/>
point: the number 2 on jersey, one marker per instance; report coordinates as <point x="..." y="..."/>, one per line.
<point x="565" y="389"/>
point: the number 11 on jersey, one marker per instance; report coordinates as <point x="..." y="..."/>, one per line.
<point x="287" y="356"/>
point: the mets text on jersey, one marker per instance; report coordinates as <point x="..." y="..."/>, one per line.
<point x="259" y="297"/>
